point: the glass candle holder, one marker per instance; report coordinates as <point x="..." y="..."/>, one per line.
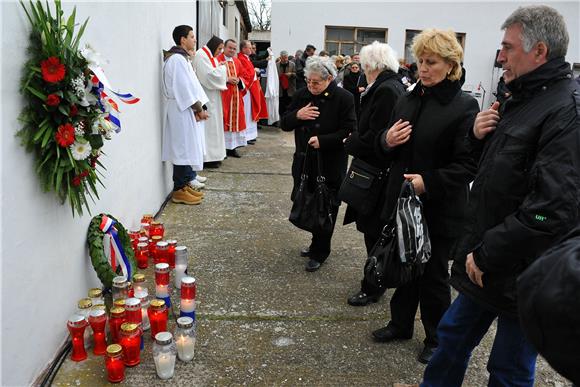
<point x="120" y="288"/>
<point x="139" y="283"/>
<point x="161" y="253"/>
<point x="164" y="354"/>
<point x="181" y="261"/>
<point x="158" y="315"/>
<point x="130" y="290"/>
<point x="131" y="343"/>
<point x="143" y="239"/>
<point x="153" y="247"/>
<point x="185" y="338"/>
<point x="142" y="255"/>
<point x="134" y="235"/>
<point x="147" y="218"/>
<point x="171" y="246"/>
<point x="117" y="319"/>
<point x="84" y="308"/>
<point x="133" y="310"/>
<point x="188" y="288"/>
<point x="98" y="322"/>
<point x="145" y="229"/>
<point x="76" y="325"/>
<point x="162" y="292"/>
<point x="120" y="303"/>
<point x="114" y="363"/>
<point x="162" y="273"/>
<point x="156" y="228"/>
<point x="96" y="296"/>
<point x="144" y="298"/>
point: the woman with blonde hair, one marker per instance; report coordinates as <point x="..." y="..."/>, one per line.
<point x="426" y="144"/>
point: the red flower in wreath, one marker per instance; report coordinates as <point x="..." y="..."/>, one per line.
<point x="52" y="70"/>
<point x="73" y="110"/>
<point x="76" y="181"/>
<point x="84" y="173"/>
<point x="65" y="135"/>
<point x="52" y="100"/>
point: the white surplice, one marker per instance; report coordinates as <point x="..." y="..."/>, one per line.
<point x="272" y="92"/>
<point x="183" y="138"/>
<point x="251" y="126"/>
<point x="213" y="78"/>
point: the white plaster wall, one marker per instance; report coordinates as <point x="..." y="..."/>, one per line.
<point x="45" y="264"/>
<point x="296" y="24"/>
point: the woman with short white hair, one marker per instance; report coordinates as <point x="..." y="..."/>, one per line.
<point x="380" y="65"/>
<point x="321" y="116"/>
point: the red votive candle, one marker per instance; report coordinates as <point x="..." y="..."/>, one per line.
<point x="133" y="310"/>
<point x="153" y="247"/>
<point x="172" y="244"/>
<point x="188" y="288"/>
<point x="98" y="320"/>
<point x="114" y="363"/>
<point x="158" y="314"/>
<point x="131" y="343"/>
<point x="156" y="228"/>
<point x="142" y="255"/>
<point x="134" y="235"/>
<point x="147" y="218"/>
<point x="117" y="319"/>
<point x="76" y="325"/>
<point x="161" y="252"/>
<point x="162" y="274"/>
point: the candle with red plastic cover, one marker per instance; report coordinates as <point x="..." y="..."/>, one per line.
<point x="117" y="319"/>
<point x="172" y="244"/>
<point x="76" y="325"/>
<point x="131" y="343"/>
<point x="162" y="274"/>
<point x="114" y="363"/>
<point x="158" y="315"/>
<point x="98" y="321"/>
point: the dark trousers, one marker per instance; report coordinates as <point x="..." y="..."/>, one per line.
<point x="512" y="360"/>
<point x="320" y="244"/>
<point x="283" y="102"/>
<point x="431" y="292"/>
<point x="182" y="174"/>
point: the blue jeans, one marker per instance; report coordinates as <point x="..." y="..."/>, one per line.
<point x="512" y="360"/>
<point x="182" y="174"/>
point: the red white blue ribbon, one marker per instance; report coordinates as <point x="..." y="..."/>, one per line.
<point x="114" y="249"/>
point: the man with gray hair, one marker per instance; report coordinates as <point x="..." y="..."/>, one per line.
<point x="287" y="73"/>
<point x="524" y="198"/>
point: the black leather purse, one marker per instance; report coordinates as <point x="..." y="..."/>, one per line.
<point x="312" y="210"/>
<point x="362" y="186"/>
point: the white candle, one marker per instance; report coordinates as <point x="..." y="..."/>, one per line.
<point x="165" y="365"/>
<point x="162" y="291"/>
<point x="187" y="306"/>
<point x="141" y="288"/>
<point x="179" y="274"/>
<point x="185" y="347"/>
<point x="145" y="318"/>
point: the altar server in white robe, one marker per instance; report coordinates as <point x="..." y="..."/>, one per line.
<point x="213" y="76"/>
<point x="183" y="139"/>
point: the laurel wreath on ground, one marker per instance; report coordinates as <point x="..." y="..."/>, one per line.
<point x="97" y="252"/>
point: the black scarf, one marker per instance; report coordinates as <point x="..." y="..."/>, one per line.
<point x="175" y="50"/>
<point x="443" y="91"/>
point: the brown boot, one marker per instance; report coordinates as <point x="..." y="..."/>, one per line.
<point x="184" y="197"/>
<point x="193" y="191"/>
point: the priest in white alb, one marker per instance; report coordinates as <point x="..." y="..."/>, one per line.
<point x="183" y="138"/>
<point x="213" y="77"/>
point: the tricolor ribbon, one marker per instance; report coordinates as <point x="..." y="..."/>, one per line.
<point x="113" y="248"/>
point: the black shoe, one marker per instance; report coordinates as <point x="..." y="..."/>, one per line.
<point x="233" y="153"/>
<point x="212" y="164"/>
<point x="362" y="299"/>
<point x="426" y="354"/>
<point x="252" y="142"/>
<point x="305" y="252"/>
<point x="312" y="265"/>
<point x="388" y="333"/>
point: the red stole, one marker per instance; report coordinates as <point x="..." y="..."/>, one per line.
<point x="259" y="108"/>
<point x="232" y="101"/>
<point x="209" y="55"/>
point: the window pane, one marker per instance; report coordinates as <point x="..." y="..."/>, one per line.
<point x="368" y="36"/>
<point x="347" y="48"/>
<point x="410" y="34"/>
<point x="332" y="48"/>
<point x="341" y="34"/>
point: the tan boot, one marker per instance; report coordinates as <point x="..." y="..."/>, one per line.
<point x="193" y="191"/>
<point x="184" y="197"/>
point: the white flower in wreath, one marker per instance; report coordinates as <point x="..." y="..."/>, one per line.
<point x="81" y="149"/>
<point x="93" y="58"/>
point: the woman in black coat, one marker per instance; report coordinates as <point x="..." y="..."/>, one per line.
<point x="355" y="82"/>
<point x="322" y="115"/>
<point x="377" y="102"/>
<point x="427" y="144"/>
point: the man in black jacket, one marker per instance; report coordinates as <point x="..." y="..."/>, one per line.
<point x="301" y="64"/>
<point x="525" y="196"/>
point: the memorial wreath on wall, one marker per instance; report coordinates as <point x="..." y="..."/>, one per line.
<point x="68" y="113"/>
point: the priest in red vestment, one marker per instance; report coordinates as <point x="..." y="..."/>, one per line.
<point x="254" y="100"/>
<point x="232" y="101"/>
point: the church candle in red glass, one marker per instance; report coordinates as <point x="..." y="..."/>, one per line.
<point x="134" y="235"/>
<point x="153" y="247"/>
<point x="147" y="218"/>
<point x="76" y="325"/>
<point x="156" y="228"/>
<point x="158" y="314"/>
<point x="131" y="343"/>
<point x="114" y="363"/>
<point x="188" y="288"/>
<point x="162" y="274"/>
<point x="142" y="255"/>
<point x="133" y="310"/>
<point x="162" y="252"/>
<point x="117" y="319"/>
<point x="172" y="244"/>
<point x="98" y="321"/>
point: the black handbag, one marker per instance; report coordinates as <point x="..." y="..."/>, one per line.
<point x="312" y="210"/>
<point x="362" y="186"/>
<point x="384" y="268"/>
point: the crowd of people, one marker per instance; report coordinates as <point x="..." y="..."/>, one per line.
<point x="500" y="188"/>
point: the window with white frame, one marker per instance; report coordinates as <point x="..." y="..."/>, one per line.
<point x="349" y="40"/>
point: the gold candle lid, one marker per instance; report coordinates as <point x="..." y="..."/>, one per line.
<point x="119" y="302"/>
<point x="139" y="277"/>
<point x="129" y="327"/>
<point x="156" y="237"/>
<point x="114" y="349"/>
<point x="85" y="303"/>
<point x="148" y="216"/>
<point x="156" y="223"/>
<point x="99" y="307"/>
<point x="117" y="310"/>
<point x="95" y="292"/>
<point x="157" y="303"/>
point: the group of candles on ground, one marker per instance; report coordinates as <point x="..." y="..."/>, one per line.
<point x="132" y="313"/>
